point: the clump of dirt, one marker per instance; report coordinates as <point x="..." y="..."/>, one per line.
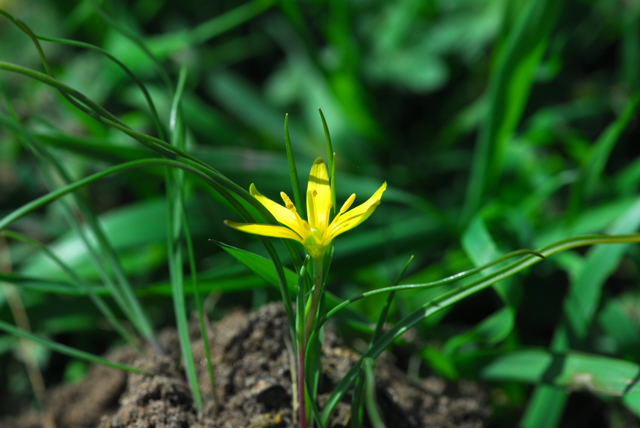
<point x="252" y="386"/>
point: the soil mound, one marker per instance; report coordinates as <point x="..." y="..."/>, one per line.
<point x="252" y="386"/>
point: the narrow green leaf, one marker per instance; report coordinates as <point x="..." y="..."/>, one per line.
<point x="67" y="350"/>
<point x="293" y="171"/>
<point x="454" y="296"/>
<point x="175" y="239"/>
<point x="509" y="87"/>
<point x="598" y="155"/>
<point x="547" y="404"/>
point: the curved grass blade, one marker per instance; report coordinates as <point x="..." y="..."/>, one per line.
<point x="364" y="394"/>
<point x="580" y="307"/>
<point x="103" y="254"/>
<point x="454" y="296"/>
<point x="218" y="181"/>
<point x="35" y="37"/>
<point x="445" y="281"/>
<point x="77" y="281"/>
<point x="67" y="350"/>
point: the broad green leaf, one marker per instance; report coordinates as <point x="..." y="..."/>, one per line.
<point x="572" y="371"/>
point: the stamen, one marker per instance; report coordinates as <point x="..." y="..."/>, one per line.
<point x="287" y="201"/>
<point x="347" y="204"/>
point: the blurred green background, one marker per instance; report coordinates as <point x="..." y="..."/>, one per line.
<point x="498" y="125"/>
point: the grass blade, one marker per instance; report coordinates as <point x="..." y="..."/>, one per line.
<point x="77" y="281"/>
<point x="175" y="205"/>
<point x="508" y="91"/>
<point x="580" y="305"/>
<point x="293" y="171"/>
<point x="454" y="296"/>
<point x="598" y="156"/>
<point x="67" y="350"/>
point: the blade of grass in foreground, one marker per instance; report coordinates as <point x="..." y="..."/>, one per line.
<point x="547" y="403"/>
<point x="454" y="296"/>
<point x="77" y="281"/>
<point x="67" y="350"/>
<point x="480" y="248"/>
<point x="102" y="252"/>
<point x="175" y="184"/>
<point x="220" y="183"/>
<point x="365" y="391"/>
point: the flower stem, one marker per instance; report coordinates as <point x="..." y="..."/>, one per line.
<point x="308" y="322"/>
<point x="318" y="289"/>
<point x="302" y="404"/>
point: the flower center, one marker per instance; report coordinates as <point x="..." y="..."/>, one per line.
<point x="314" y="243"/>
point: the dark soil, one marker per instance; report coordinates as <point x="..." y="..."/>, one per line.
<point x="253" y="386"/>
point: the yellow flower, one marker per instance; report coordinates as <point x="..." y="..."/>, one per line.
<point x="316" y="233"/>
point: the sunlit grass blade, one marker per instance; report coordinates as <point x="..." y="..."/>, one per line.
<point x="384" y="313"/>
<point x="364" y="395"/>
<point x="67" y="350"/>
<point x="91" y="108"/>
<point x="62" y="191"/>
<point x="364" y="388"/>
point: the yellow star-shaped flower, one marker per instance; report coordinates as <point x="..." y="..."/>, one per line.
<point x="316" y="233"/>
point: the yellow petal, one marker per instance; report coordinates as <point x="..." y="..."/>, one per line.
<point x="264" y="230"/>
<point x="352" y="218"/>
<point x="284" y="215"/>
<point x="318" y="196"/>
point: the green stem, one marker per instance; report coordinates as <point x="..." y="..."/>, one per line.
<point x="308" y="324"/>
<point x="318" y="289"/>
